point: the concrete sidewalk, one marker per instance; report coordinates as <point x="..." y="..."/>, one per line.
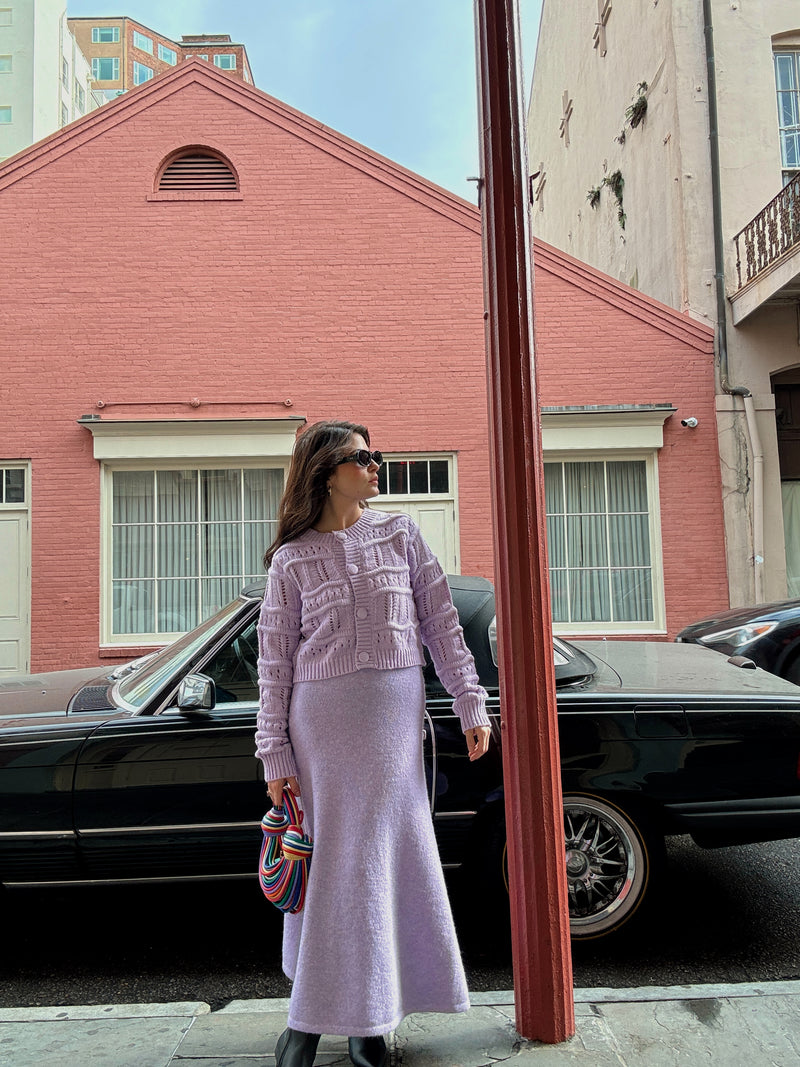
<point x="725" y="1025"/>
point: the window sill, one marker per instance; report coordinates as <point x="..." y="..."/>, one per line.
<point x="196" y="194"/>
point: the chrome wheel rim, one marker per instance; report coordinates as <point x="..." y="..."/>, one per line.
<point x="606" y="865"/>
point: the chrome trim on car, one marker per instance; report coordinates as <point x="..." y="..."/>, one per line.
<point x="160" y="880"/>
<point x="454" y="814"/>
<point x="36" y="834"/>
<point x="181" y="827"/>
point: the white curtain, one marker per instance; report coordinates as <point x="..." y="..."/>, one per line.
<point x="790" y="493"/>
<point x="185" y="541"/>
<point x="598" y="530"/>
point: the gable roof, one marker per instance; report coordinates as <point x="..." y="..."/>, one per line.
<point x="622" y="296"/>
<point x="196" y="71"/>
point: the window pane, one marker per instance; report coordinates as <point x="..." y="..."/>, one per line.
<point x="220" y="493"/>
<point x="177" y="551"/>
<point x="629" y="536"/>
<point x="553" y="488"/>
<point x="167" y="55"/>
<point x="177" y="606"/>
<point x="633" y="594"/>
<point x="141" y="73"/>
<point x="5" y="64"/>
<point x="397" y="476"/>
<point x="177" y="496"/>
<point x="15" y="486"/>
<point x="440" y="476"/>
<point x="258" y="536"/>
<point x="586" y="541"/>
<point x="217" y="592"/>
<point x="585" y="488"/>
<point x="383" y="478"/>
<point x="133" y="496"/>
<point x="559" y="595"/>
<point x="133" y="552"/>
<point x="5" y="114"/>
<point x="785" y="70"/>
<point x="262" y="493"/>
<point x="133" y="608"/>
<point x="589" y="597"/>
<point x="222" y="552"/>
<point x="142" y="42"/>
<point x="627" y="486"/>
<point x="556" y="541"/>
<point x="418" y="473"/>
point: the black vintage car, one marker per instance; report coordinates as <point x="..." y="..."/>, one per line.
<point x="149" y="774"/>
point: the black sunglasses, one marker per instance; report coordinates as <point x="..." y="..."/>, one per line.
<point x="363" y="458"/>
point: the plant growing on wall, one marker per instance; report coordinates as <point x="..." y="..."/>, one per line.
<point x="616" y="183"/>
<point x="593" y="196"/>
<point x="638" y="109"/>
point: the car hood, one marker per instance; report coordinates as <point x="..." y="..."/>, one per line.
<point x="37" y="694"/>
<point x="733" y="617"/>
<point x="674" y="670"/>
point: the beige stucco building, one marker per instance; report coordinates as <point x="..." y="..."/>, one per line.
<point x="629" y="177"/>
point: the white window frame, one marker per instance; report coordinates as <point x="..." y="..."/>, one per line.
<point x="98" y="30"/>
<point x="170" y="445"/>
<point x="142" y="42"/>
<point x="593" y="435"/>
<point x="97" y="60"/>
<point x="170" y="57"/>
<point x="6" y="16"/>
<point x="109" y="639"/>
<point x="225" y="55"/>
<point x="794" y="51"/>
<point x="140" y="69"/>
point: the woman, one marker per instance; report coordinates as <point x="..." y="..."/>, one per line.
<point x="351" y="594"/>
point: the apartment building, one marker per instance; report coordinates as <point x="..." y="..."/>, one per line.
<point x="124" y="53"/>
<point x="45" y="80"/>
<point x="665" y="143"/>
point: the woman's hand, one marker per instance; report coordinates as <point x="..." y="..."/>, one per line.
<point x="477" y="741"/>
<point x="275" y="788"/>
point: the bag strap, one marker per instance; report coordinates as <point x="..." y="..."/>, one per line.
<point x="292" y="807"/>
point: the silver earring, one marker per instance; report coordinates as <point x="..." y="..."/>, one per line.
<point x="329" y="490"/>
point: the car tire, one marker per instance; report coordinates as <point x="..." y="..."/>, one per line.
<point x="611" y="856"/>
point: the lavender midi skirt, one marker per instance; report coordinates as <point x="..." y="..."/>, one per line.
<point x="375" y="940"/>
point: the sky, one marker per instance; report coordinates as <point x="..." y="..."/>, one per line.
<point x="396" y="75"/>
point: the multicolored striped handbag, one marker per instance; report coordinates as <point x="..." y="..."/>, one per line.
<point x="285" y="855"/>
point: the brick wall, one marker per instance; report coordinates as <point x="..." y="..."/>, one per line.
<point x="336" y="281"/>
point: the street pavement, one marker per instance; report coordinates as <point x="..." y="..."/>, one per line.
<point x="742" y="1025"/>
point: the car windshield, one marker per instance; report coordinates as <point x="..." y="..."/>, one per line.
<point x="136" y="689"/>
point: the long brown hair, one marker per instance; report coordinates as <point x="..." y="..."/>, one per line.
<point x="317" y="451"/>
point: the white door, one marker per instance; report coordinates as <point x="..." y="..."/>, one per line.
<point x="437" y="521"/>
<point x="15" y="592"/>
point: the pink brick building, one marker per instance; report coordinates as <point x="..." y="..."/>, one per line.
<point x="194" y="270"/>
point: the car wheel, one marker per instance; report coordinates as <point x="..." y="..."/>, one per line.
<point x="610" y="859"/>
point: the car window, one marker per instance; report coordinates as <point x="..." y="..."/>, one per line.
<point x="234" y="667"/>
<point x="138" y="689"/>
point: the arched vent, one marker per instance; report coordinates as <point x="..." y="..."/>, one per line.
<point x="197" y="171"/>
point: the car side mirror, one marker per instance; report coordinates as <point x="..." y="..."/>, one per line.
<point x="197" y="692"/>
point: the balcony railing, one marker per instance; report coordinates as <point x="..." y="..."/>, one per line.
<point x="771" y="234"/>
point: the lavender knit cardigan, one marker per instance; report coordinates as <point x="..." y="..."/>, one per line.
<point x="336" y="603"/>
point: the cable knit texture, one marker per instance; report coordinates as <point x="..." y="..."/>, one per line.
<point x="364" y="597"/>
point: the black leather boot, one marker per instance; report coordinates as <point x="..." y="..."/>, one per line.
<point x="295" y="1048"/>
<point x="368" y="1051"/>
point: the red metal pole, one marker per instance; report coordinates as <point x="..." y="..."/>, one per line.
<point x="534" y="819"/>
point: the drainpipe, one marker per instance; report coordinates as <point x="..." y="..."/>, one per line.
<point x="721" y="337"/>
